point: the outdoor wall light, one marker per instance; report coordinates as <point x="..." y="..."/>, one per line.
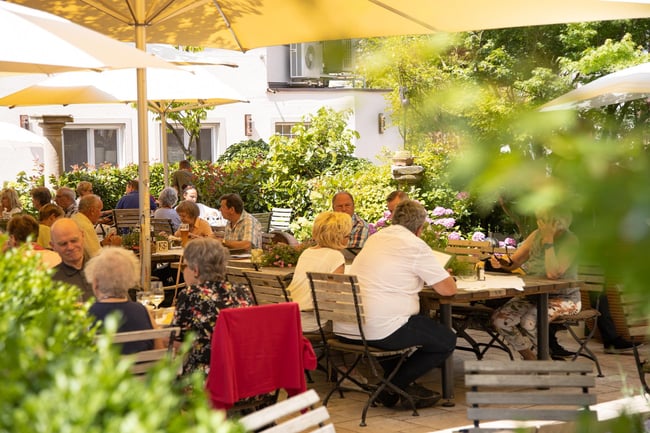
<point x="248" y="125"/>
<point x="381" y="122"/>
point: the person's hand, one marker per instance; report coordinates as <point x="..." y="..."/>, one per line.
<point x="548" y="229"/>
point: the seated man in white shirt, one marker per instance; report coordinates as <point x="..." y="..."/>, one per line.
<point x="392" y="268"/>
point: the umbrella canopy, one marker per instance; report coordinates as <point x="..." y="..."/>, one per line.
<point x="193" y="87"/>
<point x="238" y="24"/>
<point x="620" y="86"/>
<point x="22" y="151"/>
<point x="39" y="42"/>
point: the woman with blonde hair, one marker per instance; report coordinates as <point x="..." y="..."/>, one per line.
<point x="10" y="203"/>
<point x="331" y="232"/>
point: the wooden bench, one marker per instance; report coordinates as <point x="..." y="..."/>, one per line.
<point x="637" y="325"/>
<point x="528" y="391"/>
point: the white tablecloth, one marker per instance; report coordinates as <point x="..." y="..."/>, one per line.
<point x="492" y="282"/>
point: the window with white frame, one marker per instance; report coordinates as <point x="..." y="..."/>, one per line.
<point x="92" y="145"/>
<point x="207" y="139"/>
<point x="284" y="129"/>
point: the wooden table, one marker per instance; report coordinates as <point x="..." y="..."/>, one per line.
<point x="538" y="288"/>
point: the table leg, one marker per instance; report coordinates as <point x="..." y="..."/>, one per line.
<point x="542" y="327"/>
<point x="448" y="365"/>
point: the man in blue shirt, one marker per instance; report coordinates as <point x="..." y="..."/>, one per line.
<point x="131" y="199"/>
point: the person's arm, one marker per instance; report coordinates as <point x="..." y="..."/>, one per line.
<point x="518" y="258"/>
<point x="558" y="257"/>
<point x="237" y="245"/>
<point x="446" y="287"/>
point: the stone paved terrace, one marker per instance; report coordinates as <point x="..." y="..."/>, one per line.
<point x="620" y="381"/>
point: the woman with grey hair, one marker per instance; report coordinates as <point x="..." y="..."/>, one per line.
<point x="112" y="273"/>
<point x="10" y="203"/>
<point x="206" y="293"/>
<point x="167" y="199"/>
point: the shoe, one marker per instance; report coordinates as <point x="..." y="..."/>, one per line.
<point x="559" y="352"/>
<point x="387" y="398"/>
<point x="422" y="397"/>
<point x="620" y="345"/>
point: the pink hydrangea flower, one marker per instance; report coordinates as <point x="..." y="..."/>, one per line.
<point x="454" y="236"/>
<point x="478" y="236"/>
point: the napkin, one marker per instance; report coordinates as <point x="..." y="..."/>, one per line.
<point x="493" y="282"/>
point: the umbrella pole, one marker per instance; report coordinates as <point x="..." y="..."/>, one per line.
<point x="143" y="154"/>
<point x="165" y="163"/>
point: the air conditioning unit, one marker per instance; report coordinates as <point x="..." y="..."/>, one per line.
<point x="306" y="60"/>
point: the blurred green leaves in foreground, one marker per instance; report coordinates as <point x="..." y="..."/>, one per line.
<point x="55" y="378"/>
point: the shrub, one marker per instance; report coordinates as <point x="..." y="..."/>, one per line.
<point x="55" y="378"/>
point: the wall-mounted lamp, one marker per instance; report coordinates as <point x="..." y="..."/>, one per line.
<point x="24" y="121"/>
<point x="248" y="125"/>
<point x="381" y="122"/>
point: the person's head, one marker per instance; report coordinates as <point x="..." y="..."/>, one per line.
<point x="113" y="272"/>
<point x="168" y="197"/>
<point x="132" y="185"/>
<point x="84" y="188"/>
<point x="563" y="218"/>
<point x="232" y="206"/>
<point x="64" y="197"/>
<point x="91" y="206"/>
<point x="410" y="214"/>
<point x="394" y="198"/>
<point x="188" y="211"/>
<point x="40" y="197"/>
<point x="67" y="239"/>
<point x="21" y="228"/>
<point x="332" y="229"/>
<point x="9" y="198"/>
<point x="343" y="202"/>
<point x="191" y="194"/>
<point x="49" y="213"/>
<point x="206" y="260"/>
<point x="184" y="165"/>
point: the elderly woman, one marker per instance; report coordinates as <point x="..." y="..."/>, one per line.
<point x="331" y="232"/>
<point x="112" y="273"/>
<point x="10" y="203"/>
<point x="188" y="212"/>
<point x="206" y="293"/>
<point x="550" y="252"/>
<point x="213" y="216"/>
<point x="167" y="199"/>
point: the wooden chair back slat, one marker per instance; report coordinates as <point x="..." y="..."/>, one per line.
<point x="146" y="359"/>
<point x="467" y="250"/>
<point x="267" y="288"/>
<point x="280" y="219"/>
<point x="162" y="225"/>
<point x="529" y="391"/>
<point x="305" y="419"/>
<point x="335" y="298"/>
<point x="126" y="218"/>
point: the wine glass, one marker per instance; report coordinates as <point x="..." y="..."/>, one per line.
<point x="157" y="293"/>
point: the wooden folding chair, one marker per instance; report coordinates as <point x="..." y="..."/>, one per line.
<point x="267" y="288"/>
<point x="265" y="219"/>
<point x="146" y="359"/>
<point x="637" y="324"/>
<point x="280" y="219"/>
<point x="126" y="220"/>
<point x="336" y="297"/>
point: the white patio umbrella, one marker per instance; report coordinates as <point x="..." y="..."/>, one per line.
<point x="191" y="86"/>
<point x="620" y="86"/>
<point x="22" y="150"/>
<point x="34" y="41"/>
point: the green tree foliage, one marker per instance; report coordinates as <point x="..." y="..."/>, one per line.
<point x="190" y="120"/>
<point x="321" y="144"/>
<point x="56" y="378"/>
<point x="245" y="150"/>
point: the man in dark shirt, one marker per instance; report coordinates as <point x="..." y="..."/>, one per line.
<point x="182" y="177"/>
<point x="131" y="200"/>
<point x="67" y="239"/>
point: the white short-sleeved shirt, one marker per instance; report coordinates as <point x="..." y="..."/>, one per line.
<point x="392" y="268"/>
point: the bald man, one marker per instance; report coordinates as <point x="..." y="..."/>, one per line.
<point x="67" y="239"/>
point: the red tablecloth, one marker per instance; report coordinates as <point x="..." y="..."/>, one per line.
<point x="257" y="350"/>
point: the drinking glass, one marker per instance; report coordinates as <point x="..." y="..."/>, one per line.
<point x="157" y="293"/>
<point x="185" y="233"/>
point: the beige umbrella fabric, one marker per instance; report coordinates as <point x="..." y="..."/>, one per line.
<point x="246" y="24"/>
<point x="34" y="41"/>
<point x="191" y="86"/>
<point x="620" y="86"/>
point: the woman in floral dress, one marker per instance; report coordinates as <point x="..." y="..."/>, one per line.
<point x="207" y="292"/>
